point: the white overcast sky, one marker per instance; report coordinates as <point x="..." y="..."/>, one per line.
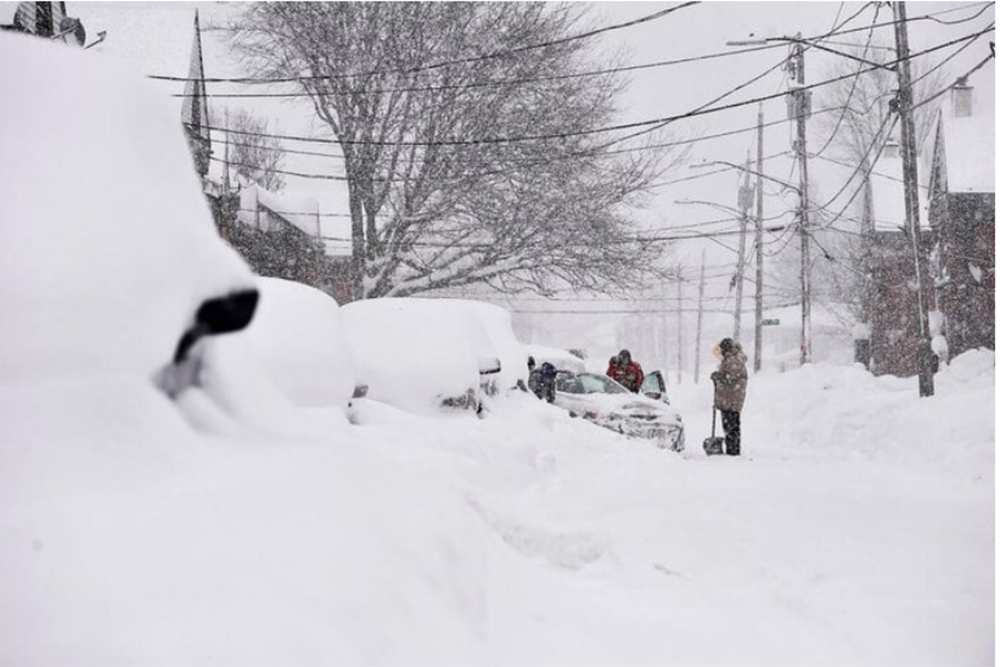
<point x="156" y="37"/>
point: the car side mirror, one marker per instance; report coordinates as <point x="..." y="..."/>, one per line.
<point x="218" y="316"/>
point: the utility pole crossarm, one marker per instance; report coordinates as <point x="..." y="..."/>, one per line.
<point x="810" y="44"/>
<point x="784" y="184"/>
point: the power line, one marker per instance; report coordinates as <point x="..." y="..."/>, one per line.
<point x="487" y="84"/>
<point x="864" y="159"/>
<point x="964" y="20"/>
<point x="957" y="82"/>
<point x="294" y="79"/>
<point x="854" y="85"/>
<point x="447" y="63"/>
<point x="610" y="128"/>
<point x="285" y="172"/>
<point x="588" y="152"/>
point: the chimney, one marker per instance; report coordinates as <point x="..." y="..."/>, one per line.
<point x="961" y="99"/>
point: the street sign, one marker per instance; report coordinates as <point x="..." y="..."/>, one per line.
<point x="770" y="322"/>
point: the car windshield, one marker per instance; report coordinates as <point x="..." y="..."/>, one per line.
<point x="588" y="383"/>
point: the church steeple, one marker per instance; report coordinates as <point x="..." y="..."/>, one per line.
<point x="194" y="113"/>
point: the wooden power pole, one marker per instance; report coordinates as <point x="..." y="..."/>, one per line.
<point x="680" y="327"/>
<point x="743" y="201"/>
<point x="800" y="106"/>
<point x="701" y="302"/>
<point x="758" y="327"/>
<point x="909" y="146"/>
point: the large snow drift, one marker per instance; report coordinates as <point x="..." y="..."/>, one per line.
<point x="107" y="245"/>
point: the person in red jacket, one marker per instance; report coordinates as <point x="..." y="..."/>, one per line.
<point x="626" y="372"/>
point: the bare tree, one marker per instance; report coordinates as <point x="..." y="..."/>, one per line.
<point x="464" y="166"/>
<point x="868" y="98"/>
<point x="253" y="153"/>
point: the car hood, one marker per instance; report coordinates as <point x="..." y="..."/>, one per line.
<point x="619" y="404"/>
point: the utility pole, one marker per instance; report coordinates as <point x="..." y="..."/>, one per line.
<point x="680" y="327"/>
<point x="743" y="201"/>
<point x="800" y="108"/>
<point x="758" y="328"/>
<point x="701" y="302"/>
<point x="666" y="332"/>
<point x="905" y="101"/>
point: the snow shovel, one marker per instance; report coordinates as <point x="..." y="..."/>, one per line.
<point x="715" y="444"/>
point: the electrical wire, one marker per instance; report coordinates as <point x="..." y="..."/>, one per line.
<point x="837" y="31"/>
<point x="458" y="61"/>
<point x="854" y="84"/>
<point x="864" y="159"/>
<point x="491" y="83"/>
<point x="611" y="128"/>
<point x="964" y="20"/>
<point x="958" y="81"/>
<point x="285" y="172"/>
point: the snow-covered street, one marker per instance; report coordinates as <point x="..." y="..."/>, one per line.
<point x="857" y="529"/>
<point x="846" y="535"/>
<point x="202" y="463"/>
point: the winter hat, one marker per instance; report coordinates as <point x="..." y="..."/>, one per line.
<point x="727" y="345"/>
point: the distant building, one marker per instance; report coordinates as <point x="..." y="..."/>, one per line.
<point x="278" y="235"/>
<point x="42" y="19"/>
<point x="894" y="319"/>
<point x="281" y="236"/>
<point x="963" y="217"/>
<point x="895" y="325"/>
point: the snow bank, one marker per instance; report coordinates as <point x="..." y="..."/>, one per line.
<point x="264" y="535"/>
<point x="823" y="411"/>
<point x="107" y="246"/>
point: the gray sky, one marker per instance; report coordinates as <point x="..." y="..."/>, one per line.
<point x="156" y="38"/>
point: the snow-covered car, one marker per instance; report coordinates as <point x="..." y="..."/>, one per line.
<point x="298" y="341"/>
<point x="563" y="360"/>
<point x="603" y="401"/>
<point x="112" y="271"/>
<point x="509" y="351"/>
<point x="421" y="355"/>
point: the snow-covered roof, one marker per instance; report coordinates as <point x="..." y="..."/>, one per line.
<point x="969" y="144"/>
<point x="301" y="211"/>
<point x="558" y="357"/>
<point x="888" y="200"/>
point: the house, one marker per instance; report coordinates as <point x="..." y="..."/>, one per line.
<point x="963" y="216"/>
<point x="895" y="323"/>
<point x="279" y="235"/>
<point x="894" y="318"/>
<point x="42" y="19"/>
